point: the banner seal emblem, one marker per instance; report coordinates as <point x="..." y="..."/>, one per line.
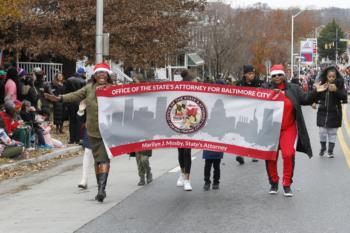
<point x="186" y="114"/>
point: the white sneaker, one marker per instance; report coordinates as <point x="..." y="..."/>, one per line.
<point x="180" y="181"/>
<point x="187" y="185"/>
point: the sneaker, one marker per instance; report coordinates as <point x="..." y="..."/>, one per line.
<point x="330" y="155"/>
<point x="180" y="181"/>
<point x="206" y="187"/>
<point x="187" y="185"/>
<point x="254" y="160"/>
<point x="215" y="186"/>
<point x="45" y="146"/>
<point x="240" y="160"/>
<point x="82" y="186"/>
<point x="287" y="191"/>
<point x="274" y="189"/>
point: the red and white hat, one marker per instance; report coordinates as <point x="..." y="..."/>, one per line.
<point x="104" y="67"/>
<point x="277" y="69"/>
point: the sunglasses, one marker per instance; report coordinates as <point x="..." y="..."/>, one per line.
<point x="276" y="75"/>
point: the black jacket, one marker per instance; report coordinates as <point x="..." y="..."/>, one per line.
<point x="74" y="83"/>
<point x="329" y="114"/>
<point x="255" y="83"/>
<point x="299" y="98"/>
<point x="59" y="114"/>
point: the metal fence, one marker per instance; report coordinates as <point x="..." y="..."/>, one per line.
<point x="50" y="69"/>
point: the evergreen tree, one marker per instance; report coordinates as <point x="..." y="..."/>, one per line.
<point x="329" y="40"/>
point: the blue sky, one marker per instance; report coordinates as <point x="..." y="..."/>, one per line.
<point x="312" y="4"/>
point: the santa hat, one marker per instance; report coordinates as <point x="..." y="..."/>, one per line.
<point x="277" y="69"/>
<point x="104" y="67"/>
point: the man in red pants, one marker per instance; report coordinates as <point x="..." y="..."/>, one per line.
<point x="293" y="129"/>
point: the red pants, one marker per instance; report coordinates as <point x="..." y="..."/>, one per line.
<point x="287" y="142"/>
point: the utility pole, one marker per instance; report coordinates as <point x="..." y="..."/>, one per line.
<point x="99" y="31"/>
<point x="292" y="45"/>
<point x="336" y="46"/>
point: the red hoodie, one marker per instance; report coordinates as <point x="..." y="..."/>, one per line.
<point x="10" y="125"/>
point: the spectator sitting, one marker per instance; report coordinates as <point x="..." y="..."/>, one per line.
<point x="45" y="125"/>
<point x="12" y="123"/>
<point x="28" y="115"/>
<point x="9" y="148"/>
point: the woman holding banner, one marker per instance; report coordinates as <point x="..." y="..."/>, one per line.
<point x="184" y="157"/>
<point x="102" y="73"/>
<point x="293" y="128"/>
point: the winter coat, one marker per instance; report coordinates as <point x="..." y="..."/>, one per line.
<point x="329" y="114"/>
<point x="43" y="104"/>
<point x="207" y="154"/>
<point x="86" y="142"/>
<point x="59" y="112"/>
<point x="298" y="97"/>
<point x="73" y="84"/>
<point x="88" y="92"/>
<point x="11" y="89"/>
<point x="7" y="123"/>
<point x="255" y="83"/>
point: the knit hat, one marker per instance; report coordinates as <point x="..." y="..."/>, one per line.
<point x="277" y="69"/>
<point x="22" y="72"/>
<point x="248" y="68"/>
<point x="102" y="67"/>
<point x="18" y="105"/>
<point x="81" y="70"/>
<point x="2" y="74"/>
<point x="12" y="73"/>
<point x="37" y="70"/>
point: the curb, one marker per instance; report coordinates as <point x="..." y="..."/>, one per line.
<point x="45" y="157"/>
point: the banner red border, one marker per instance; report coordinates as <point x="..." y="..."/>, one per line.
<point x="133" y="89"/>
<point x="194" y="144"/>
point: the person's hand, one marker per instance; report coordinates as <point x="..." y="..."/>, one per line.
<point x="52" y="98"/>
<point x="314" y="106"/>
<point x="32" y="109"/>
<point x="321" y="88"/>
<point x="332" y="87"/>
<point x="82" y="106"/>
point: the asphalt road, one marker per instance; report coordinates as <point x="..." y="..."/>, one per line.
<point x="320" y="203"/>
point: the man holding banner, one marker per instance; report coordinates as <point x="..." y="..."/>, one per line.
<point x="249" y="79"/>
<point x="102" y="73"/>
<point x="293" y="128"/>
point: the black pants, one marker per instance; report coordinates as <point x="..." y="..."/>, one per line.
<point x="185" y="160"/>
<point x="207" y="168"/>
<point x="40" y="135"/>
<point x="74" y="123"/>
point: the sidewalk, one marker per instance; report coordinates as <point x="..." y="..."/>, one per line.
<point x="50" y="202"/>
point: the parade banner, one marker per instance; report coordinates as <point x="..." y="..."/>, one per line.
<point x="238" y="120"/>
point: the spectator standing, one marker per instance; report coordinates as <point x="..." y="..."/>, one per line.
<point x="73" y="84"/>
<point x="58" y="88"/>
<point x="329" y="114"/>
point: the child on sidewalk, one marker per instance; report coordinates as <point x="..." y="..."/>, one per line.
<point x="143" y="167"/>
<point x="212" y="158"/>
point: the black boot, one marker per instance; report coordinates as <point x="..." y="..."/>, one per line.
<point x="330" y="149"/>
<point x="149" y="177"/>
<point x="142" y="181"/>
<point x="102" y="171"/>
<point x="323" y="148"/>
<point x="61" y="129"/>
